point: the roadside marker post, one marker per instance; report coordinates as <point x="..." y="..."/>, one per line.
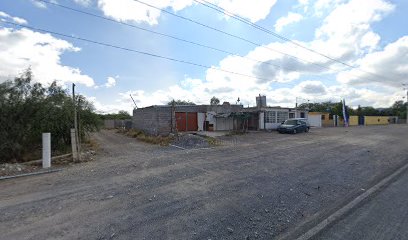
<point x="46" y="150"/>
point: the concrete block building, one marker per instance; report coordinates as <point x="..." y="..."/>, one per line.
<point x="164" y="119"/>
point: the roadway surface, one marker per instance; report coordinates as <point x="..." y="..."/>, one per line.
<point x="254" y="186"/>
<point x="384" y="216"/>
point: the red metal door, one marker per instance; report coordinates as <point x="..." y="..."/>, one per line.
<point x="192" y="124"/>
<point x="181" y="121"/>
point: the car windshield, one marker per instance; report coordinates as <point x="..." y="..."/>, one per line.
<point x="290" y="122"/>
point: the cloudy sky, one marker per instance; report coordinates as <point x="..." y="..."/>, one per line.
<point x="311" y="50"/>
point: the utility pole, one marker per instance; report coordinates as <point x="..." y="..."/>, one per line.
<point x="406" y="88"/>
<point x="75" y="124"/>
<point x="296" y="108"/>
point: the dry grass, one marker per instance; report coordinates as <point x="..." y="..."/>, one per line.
<point x="235" y="133"/>
<point x="213" y="141"/>
<point x="158" y="140"/>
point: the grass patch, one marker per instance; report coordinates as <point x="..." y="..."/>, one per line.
<point x="235" y="133"/>
<point x="213" y="141"/>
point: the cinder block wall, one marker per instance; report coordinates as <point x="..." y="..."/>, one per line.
<point x="159" y="120"/>
<point x="155" y="120"/>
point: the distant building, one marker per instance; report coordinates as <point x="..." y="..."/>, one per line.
<point x="164" y="119"/>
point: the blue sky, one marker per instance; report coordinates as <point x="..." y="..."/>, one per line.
<point x="369" y="35"/>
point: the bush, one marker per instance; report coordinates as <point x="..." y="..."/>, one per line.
<point x="28" y="109"/>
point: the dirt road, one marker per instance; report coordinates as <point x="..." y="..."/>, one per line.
<point x="256" y="186"/>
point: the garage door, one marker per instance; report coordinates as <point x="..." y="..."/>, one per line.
<point x="186" y="121"/>
<point x="315" y="120"/>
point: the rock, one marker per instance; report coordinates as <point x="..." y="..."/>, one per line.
<point x="230" y="230"/>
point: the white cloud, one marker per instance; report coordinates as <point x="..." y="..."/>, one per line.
<point x="5" y="16"/>
<point x="303" y="2"/>
<point x="252" y="10"/>
<point x="312" y="88"/>
<point x="39" y="4"/>
<point x="346" y="32"/>
<point x="23" y="48"/>
<point x="129" y="10"/>
<point x="389" y="66"/>
<point x="111" y="82"/>
<point x="289" y="19"/>
<point x="83" y="2"/>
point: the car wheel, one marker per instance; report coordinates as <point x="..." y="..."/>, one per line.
<point x="294" y="131"/>
<point x="307" y="130"/>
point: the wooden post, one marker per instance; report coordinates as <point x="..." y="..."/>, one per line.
<point x="74" y="145"/>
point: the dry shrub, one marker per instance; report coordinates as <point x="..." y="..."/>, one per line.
<point x="141" y="136"/>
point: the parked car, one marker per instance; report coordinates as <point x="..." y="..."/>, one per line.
<point x="294" y="125"/>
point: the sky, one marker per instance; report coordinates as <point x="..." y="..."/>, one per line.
<point x="289" y="50"/>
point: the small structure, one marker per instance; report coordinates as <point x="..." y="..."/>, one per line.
<point x="263" y="117"/>
<point x="165" y="119"/>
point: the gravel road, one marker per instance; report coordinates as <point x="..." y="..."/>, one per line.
<point x="383" y="216"/>
<point x="255" y="186"/>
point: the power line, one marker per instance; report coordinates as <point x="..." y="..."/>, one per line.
<point x="229" y="34"/>
<point x="135" y="51"/>
<point x="155" y="32"/>
<point x="195" y="43"/>
<point x="279" y="36"/>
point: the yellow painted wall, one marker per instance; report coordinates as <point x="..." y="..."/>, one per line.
<point x="376" y="120"/>
<point x="353" y="121"/>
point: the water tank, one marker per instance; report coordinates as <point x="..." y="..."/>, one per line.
<point x="261" y="101"/>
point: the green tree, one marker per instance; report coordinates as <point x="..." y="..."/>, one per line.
<point x="214" y="101"/>
<point x="28" y="110"/>
<point x="399" y="108"/>
<point x="121" y="115"/>
<point x="180" y="102"/>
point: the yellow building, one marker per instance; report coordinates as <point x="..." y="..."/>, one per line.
<point x="376" y="120"/>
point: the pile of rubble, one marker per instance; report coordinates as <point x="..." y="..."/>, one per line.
<point x="190" y="141"/>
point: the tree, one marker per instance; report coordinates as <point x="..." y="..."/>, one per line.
<point x="121" y="115"/>
<point x="28" y="109"/>
<point x="214" y="101"/>
<point x="399" y="108"/>
<point x="180" y="102"/>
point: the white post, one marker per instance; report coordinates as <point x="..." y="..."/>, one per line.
<point x="46" y="150"/>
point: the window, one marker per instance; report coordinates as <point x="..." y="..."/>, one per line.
<point x="302" y="115"/>
<point x="270" y="117"/>
<point x="323" y="117"/>
<point x="330" y="116"/>
<point x="282" y="116"/>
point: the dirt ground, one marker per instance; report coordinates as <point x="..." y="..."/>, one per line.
<point x="255" y="186"/>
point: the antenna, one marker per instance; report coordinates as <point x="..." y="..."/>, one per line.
<point x="133" y="100"/>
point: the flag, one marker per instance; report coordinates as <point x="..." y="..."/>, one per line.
<point x="345" y="114"/>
